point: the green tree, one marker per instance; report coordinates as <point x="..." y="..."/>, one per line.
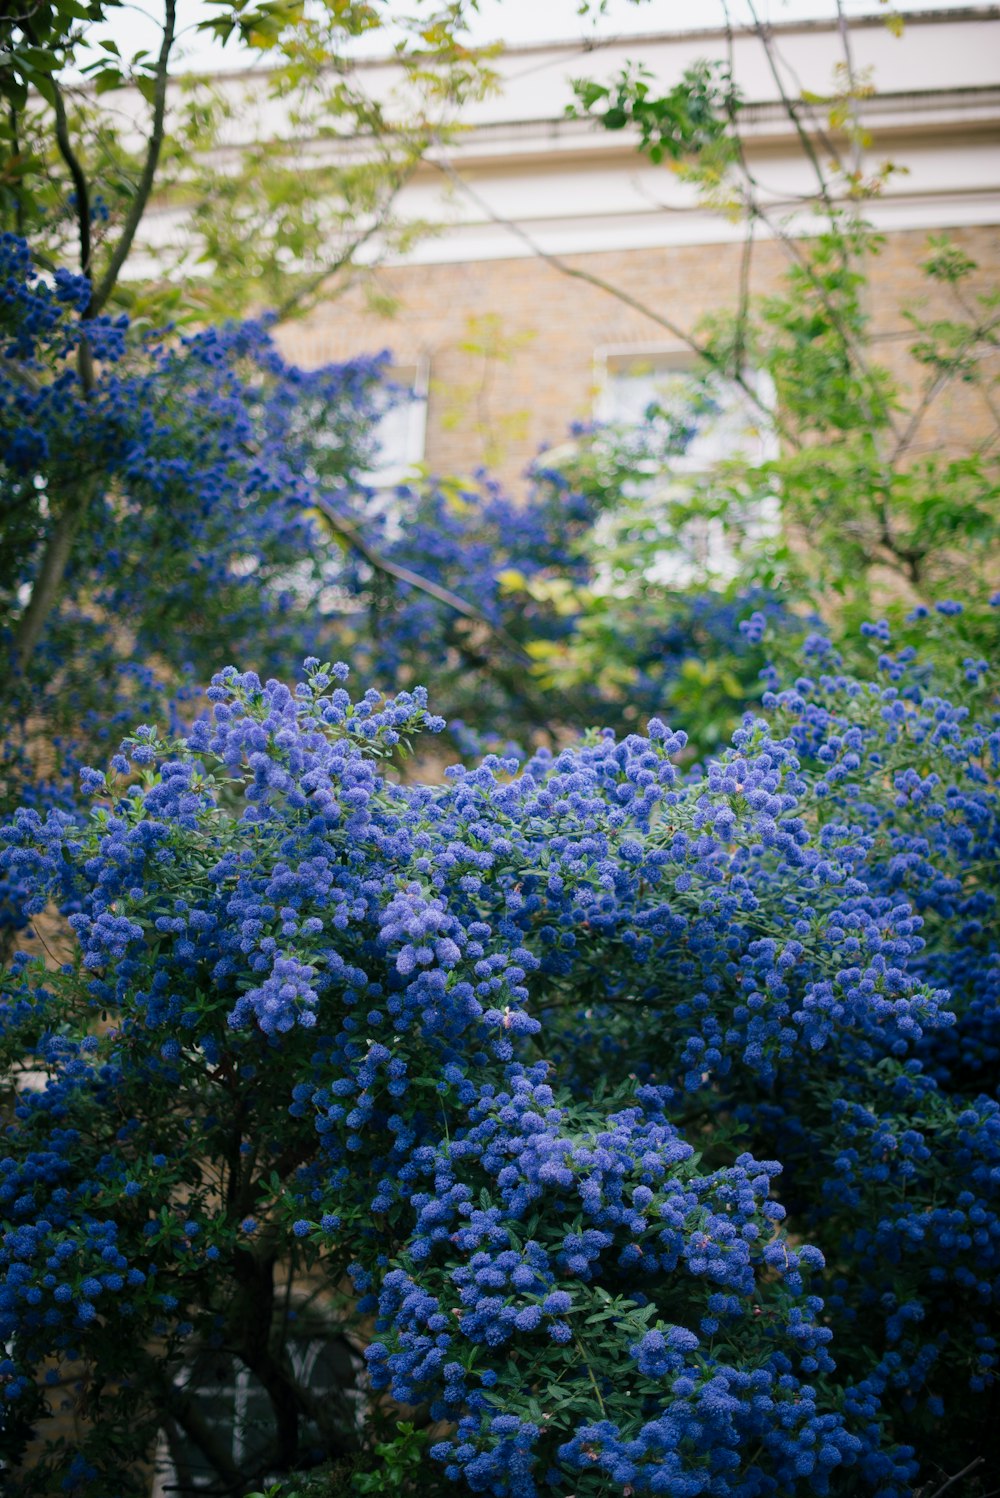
<point x="90" y="140"/>
<point x="865" y="495"/>
<point x="876" y="513"/>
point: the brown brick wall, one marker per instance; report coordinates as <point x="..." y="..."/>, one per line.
<point x="548" y="326"/>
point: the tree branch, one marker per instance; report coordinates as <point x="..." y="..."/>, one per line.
<point x="76" y="172"/>
<point x="16" y="145"/>
<point x="845" y="41"/>
<point x="109" y="280"/>
<point x="791" y="108"/>
<point x="293" y="302"/>
<point x="45" y="589"/>
<point x="71" y="159"/>
<point x="932" y="390"/>
<point x="976" y="1462"/>
<point x="850" y="342"/>
<point x="563" y="266"/>
<point x="401" y="574"/>
<point x="59" y="546"/>
<point x="743" y="307"/>
<point x="183" y="1412"/>
<point x="17" y="372"/>
<point x="180" y="1408"/>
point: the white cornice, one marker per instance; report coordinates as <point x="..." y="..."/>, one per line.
<point x="517" y="52"/>
<point x="575" y="188"/>
<point x="594" y="234"/>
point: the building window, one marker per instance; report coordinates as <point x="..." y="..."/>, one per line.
<point x="697" y="422"/>
<point x="235" y="1412"/>
<point x="401" y="433"/>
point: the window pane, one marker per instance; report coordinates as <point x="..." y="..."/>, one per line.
<point x="709" y="420"/>
<point x="400" y="433"/>
<point x="234" y="1406"/>
<point x="722" y="419"/>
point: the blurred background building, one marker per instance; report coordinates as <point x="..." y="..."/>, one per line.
<point x="496" y="317"/>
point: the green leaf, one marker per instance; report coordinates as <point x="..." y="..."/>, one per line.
<point x="146" y="84"/>
<point x="108" y="79"/>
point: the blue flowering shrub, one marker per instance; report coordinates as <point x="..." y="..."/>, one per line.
<point x="225" y="510"/>
<point x="199" y="459"/>
<point x="639" y="1119"/>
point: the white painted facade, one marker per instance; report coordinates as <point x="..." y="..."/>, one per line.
<point x="575" y="188"/>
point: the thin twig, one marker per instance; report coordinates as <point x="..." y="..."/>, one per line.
<point x="802" y="260"/>
<point x="14" y="371"/>
<point x="382" y="564"/>
<point x="566" y="269"/>
<point x="933" y="390"/>
<point x="294" y="301"/>
<point x="791" y="108"/>
<point x="845" y="41"/>
<point x="600" y="1401"/>
<point x="808" y="110"/>
<point x="743" y="306"/>
<point x="976" y="1462"/>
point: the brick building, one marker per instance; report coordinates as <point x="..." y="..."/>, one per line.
<point x="505" y="348"/>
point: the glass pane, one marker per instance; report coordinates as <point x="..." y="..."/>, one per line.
<point x="722" y="419"/>
<point x="394" y="436"/>
<point x="400" y="432"/>
<point x="234" y="1406"/>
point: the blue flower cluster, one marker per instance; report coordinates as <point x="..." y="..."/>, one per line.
<point x="198" y="462"/>
<point x="554" y="1265"/>
<point x="210" y="470"/>
<point x="895" y="1153"/>
<point x="521" y="1051"/>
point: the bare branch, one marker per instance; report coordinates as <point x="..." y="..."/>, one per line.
<point x="791" y="107"/>
<point x="401" y="574"/>
<point x="76" y="172"/>
<point x="743" y="307"/>
<point x="146" y="178"/>
<point x="183" y="1412"/>
<point x="17" y="372"/>
<point x="295" y="301"/>
<point x="934" y="387"/>
<point x="45" y="588"/>
<point x="16" y="144"/>
<point x="59" y="545"/>
<point x="774" y="228"/>
<point x="565" y="268"/>
<point x="845" y="41"/>
<point x="976" y="1462"/>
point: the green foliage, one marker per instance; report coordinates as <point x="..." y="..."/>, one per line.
<point x="269" y="222"/>
<point x="35" y="40"/>
<point x="873" y="509"/>
<point x="401" y="1461"/>
<point x="396" y="1465"/>
<point x="690" y="119"/>
<point x="886" y="460"/>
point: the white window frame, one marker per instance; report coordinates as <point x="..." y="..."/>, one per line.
<point x="677" y="359"/>
<point x="719" y="559"/>
<point x="388" y="475"/>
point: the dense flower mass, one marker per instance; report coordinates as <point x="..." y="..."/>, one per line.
<point x="636" y="1108"/>
<point x="538" y="1059"/>
<point x="219" y="495"/>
